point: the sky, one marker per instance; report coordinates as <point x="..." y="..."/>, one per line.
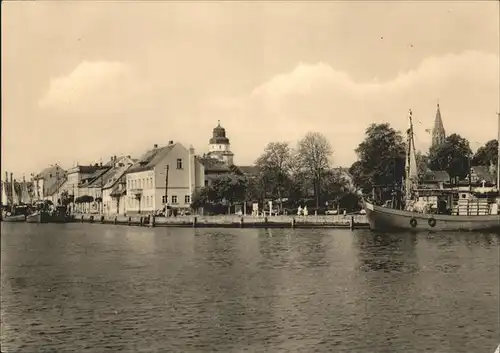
<point x="83" y="81"/>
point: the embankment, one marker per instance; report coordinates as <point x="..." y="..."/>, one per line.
<point x="231" y="221"/>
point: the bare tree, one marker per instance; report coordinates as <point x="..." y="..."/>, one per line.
<point x="313" y="155"/>
<point x="275" y="165"/>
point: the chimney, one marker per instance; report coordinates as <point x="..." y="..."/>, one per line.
<point x="155" y="145"/>
<point x="171" y="142"/>
<point x="114" y="158"/>
<point x="6" y="177"/>
<point x="128" y="156"/>
<point x="24" y="179"/>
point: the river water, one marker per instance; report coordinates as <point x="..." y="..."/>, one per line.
<point x="104" y="288"/>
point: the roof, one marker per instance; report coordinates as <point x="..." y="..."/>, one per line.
<point x="150" y="159"/>
<point x="249" y="169"/>
<point x="116" y="191"/>
<point x="98" y="177"/>
<point x="84" y="169"/>
<point x="212" y="164"/>
<point x="52" y="189"/>
<point x="46" y="173"/>
<point x="437" y="176"/>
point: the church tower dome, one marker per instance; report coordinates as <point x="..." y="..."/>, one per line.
<point x="219" y="146"/>
<point x="438" y="132"/>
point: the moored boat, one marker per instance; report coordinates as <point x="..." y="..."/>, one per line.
<point x="457" y="210"/>
<point x="45" y="215"/>
<point x="17" y="213"/>
<point x="385" y="218"/>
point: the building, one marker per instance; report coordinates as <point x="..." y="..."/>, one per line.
<point x="214" y="168"/>
<point x="114" y="188"/>
<point x="219" y="146"/>
<point x="45" y="181"/>
<point x="438" y="132"/>
<point x="436" y="179"/>
<point x="164" y="175"/>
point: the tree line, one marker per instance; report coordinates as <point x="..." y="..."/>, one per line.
<point x="288" y="176"/>
<point x="382" y="153"/>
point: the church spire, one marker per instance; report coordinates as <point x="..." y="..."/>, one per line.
<point x="438" y="132"/>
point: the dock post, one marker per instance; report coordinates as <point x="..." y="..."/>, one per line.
<point x="81" y="219"/>
<point x="195" y="221"/>
<point x="152" y="221"/>
<point x="115" y="221"/>
<point x="102" y="219"/>
<point x="141" y="221"/>
<point x="129" y="220"/>
<point x="265" y="222"/>
<point x="241" y="222"/>
<point x="293" y="222"/>
<point x="351" y="223"/>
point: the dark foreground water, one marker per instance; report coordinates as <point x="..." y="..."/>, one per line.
<point x="99" y="288"/>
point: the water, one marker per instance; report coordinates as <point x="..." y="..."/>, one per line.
<point x="104" y="288"/>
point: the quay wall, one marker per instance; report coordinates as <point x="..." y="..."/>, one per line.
<point x="231" y="221"/>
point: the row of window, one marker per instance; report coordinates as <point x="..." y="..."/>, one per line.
<point x="187" y="199"/>
<point x="144" y="183"/>
<point x="147" y="201"/>
<point x="147" y="183"/>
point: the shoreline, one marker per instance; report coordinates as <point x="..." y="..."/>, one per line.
<point x="230" y="221"/>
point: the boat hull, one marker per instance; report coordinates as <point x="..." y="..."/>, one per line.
<point x="42" y="217"/>
<point x="385" y="219"/>
<point x="37" y="218"/>
<point x="17" y="218"/>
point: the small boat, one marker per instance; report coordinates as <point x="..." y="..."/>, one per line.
<point x="42" y="215"/>
<point x="17" y="213"/>
<point x="474" y="211"/>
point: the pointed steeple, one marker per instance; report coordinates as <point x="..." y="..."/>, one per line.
<point x="438" y="132"/>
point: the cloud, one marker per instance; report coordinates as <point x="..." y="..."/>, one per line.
<point x="101" y="84"/>
<point x="316" y="97"/>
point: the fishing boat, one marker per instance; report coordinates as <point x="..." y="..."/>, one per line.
<point x="45" y="215"/>
<point x="471" y="210"/>
<point x="17" y="213"/>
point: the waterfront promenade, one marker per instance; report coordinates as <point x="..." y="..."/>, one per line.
<point x="231" y="221"/>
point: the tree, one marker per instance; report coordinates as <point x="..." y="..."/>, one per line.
<point x="381" y="158"/>
<point x="486" y="155"/>
<point x="66" y="199"/>
<point x="202" y="197"/>
<point x="313" y="156"/>
<point x="275" y="165"/>
<point x="452" y="156"/>
<point x="422" y="165"/>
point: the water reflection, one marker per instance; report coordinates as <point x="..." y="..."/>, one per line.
<point x="180" y="290"/>
<point x="387" y="252"/>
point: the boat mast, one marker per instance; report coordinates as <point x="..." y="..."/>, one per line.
<point x="408" y="158"/>
<point x="498" y="154"/>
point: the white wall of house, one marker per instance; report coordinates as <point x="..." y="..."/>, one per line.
<point x="142" y="184"/>
<point x="186" y="174"/>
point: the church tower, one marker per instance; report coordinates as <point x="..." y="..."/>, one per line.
<point x="219" y="146"/>
<point x="438" y="133"/>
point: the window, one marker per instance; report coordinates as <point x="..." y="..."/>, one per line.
<point x="163" y="199"/>
<point x="174" y="199"/>
<point x="187" y="199"/>
<point x="206" y="182"/>
<point x="179" y="163"/>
